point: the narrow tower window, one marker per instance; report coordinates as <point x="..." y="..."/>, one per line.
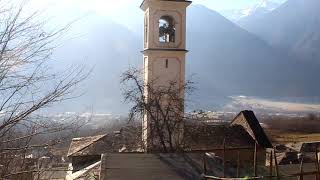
<point x="167" y="30"/>
<point x="146" y="29"/>
<point x="167" y="63"/>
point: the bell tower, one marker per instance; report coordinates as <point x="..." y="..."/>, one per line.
<point x="164" y="49"/>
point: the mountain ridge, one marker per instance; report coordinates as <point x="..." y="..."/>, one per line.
<point x="293" y="27"/>
<point x="226" y="60"/>
<point x="255" y="11"/>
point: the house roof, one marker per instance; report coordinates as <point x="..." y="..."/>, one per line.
<point x="249" y="121"/>
<point x="304" y="147"/>
<point x="145" y="1"/>
<point x="79" y="144"/>
<point x="244" y="130"/>
<point x="128" y="140"/>
<point x="213" y="136"/>
<point x="145" y="166"/>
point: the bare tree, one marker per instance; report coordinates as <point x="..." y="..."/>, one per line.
<point x="163" y="104"/>
<point x="27" y="86"/>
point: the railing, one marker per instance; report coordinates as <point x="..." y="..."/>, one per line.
<point x="274" y="167"/>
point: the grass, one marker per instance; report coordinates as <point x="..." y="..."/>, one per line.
<point x="283" y="137"/>
<point x="282" y="130"/>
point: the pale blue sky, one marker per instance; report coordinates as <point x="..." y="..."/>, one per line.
<point x="227" y="4"/>
<point x="116" y="5"/>
<point x="126" y="12"/>
<point x="230" y="4"/>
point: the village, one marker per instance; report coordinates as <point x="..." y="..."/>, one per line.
<point x="237" y="149"/>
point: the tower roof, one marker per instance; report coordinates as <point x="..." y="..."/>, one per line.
<point x="144" y="2"/>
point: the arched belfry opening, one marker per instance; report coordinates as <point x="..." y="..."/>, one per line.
<point x="167" y="30"/>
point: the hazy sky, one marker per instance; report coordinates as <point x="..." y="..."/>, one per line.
<point x="227" y="4"/>
<point x="231" y="4"/>
<point x="125" y="12"/>
<point x="115" y="5"/>
<point x="110" y="6"/>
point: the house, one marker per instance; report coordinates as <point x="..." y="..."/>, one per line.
<point x="239" y="137"/>
<point x="292" y="153"/>
<point x="250" y="123"/>
<point x="85" y="155"/>
<point x="93" y="156"/>
<point x="85" y="152"/>
<point x="202" y="142"/>
<point x="289" y="158"/>
<point x="305" y="147"/>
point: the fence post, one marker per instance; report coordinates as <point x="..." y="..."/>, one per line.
<point x="205" y="165"/>
<point x="317" y="163"/>
<point x="103" y="166"/>
<point x="271" y="164"/>
<point x="238" y="165"/>
<point x="255" y="160"/>
<point x="301" y="168"/>
<point x="224" y="157"/>
<point x="276" y="164"/>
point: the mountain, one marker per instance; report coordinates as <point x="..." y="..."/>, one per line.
<point x="229" y="60"/>
<point x="108" y="49"/>
<point x="293" y="28"/>
<point x="224" y="59"/>
<point x="261" y="8"/>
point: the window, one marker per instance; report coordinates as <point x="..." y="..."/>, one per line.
<point x="145" y="29"/>
<point x="167" y="30"/>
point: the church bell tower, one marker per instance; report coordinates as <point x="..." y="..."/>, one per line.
<point x="164" y="48"/>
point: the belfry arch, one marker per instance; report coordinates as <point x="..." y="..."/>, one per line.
<point x="167" y="29"/>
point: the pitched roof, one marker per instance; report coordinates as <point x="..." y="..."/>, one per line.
<point x="249" y="121"/>
<point x="128" y="140"/>
<point x="213" y="136"/>
<point x="79" y="144"/>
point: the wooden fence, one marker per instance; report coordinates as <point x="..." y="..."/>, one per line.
<point x="273" y="173"/>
